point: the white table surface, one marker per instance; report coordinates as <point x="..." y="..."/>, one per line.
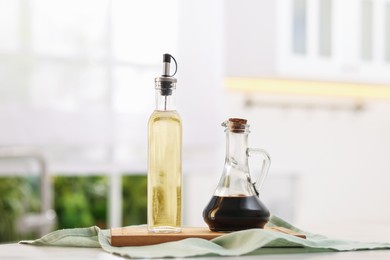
<point x="17" y="251"/>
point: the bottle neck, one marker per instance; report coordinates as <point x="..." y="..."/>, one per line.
<point x="236" y="146"/>
<point x="165" y="102"/>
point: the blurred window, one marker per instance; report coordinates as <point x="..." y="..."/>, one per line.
<point x="366" y="30"/>
<point x="325" y="28"/>
<point x="387" y="32"/>
<point x="95" y="58"/>
<point x="299" y="30"/>
<point x="9" y="29"/>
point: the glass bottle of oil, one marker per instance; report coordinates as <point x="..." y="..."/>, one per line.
<point x="164" y="157"/>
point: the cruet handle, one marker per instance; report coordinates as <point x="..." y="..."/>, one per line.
<point x="266" y="158"/>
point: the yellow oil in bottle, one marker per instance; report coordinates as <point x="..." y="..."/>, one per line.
<point x="164" y="172"/>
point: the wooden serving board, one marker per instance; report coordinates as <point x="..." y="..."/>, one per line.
<point x="139" y="236"/>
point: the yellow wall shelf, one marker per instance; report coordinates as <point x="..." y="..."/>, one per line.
<point x="307" y="87"/>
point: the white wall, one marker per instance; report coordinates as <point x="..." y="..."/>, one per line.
<point x="250" y="34"/>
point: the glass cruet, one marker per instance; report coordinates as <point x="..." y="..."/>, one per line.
<point x="165" y="156"/>
<point x="235" y="204"/>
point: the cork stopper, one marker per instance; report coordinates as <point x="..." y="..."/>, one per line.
<point x="236" y="125"/>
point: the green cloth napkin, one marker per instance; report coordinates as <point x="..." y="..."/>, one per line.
<point x="253" y="242"/>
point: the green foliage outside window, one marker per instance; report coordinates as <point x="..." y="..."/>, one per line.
<point x="18" y="195"/>
<point x="79" y="201"/>
<point x="83" y="201"/>
<point x="134" y="199"/>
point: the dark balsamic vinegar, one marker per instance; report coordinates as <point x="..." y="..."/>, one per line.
<point x="235" y="213"/>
